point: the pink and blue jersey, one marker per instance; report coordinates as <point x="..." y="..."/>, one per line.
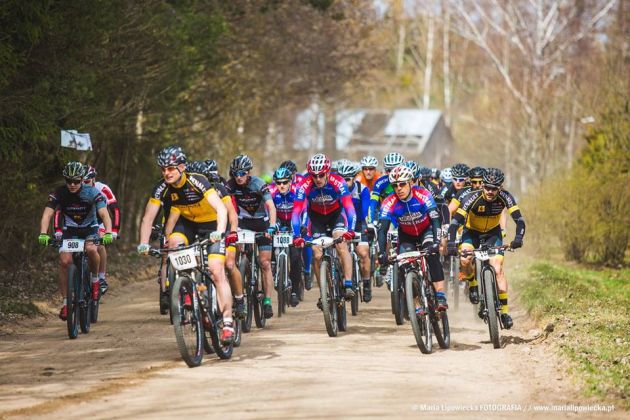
<point x="284" y="203"/>
<point x="414" y="215"/>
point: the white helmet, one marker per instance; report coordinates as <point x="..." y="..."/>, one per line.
<point x="347" y="168"/>
<point x="393" y="159"/>
<point x="446" y="175"/>
<point x="401" y="173"/>
<point x="369" y="161"/>
<point x="318" y="164"/>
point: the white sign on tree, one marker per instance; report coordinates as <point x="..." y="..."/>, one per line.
<point x="74" y="140"/>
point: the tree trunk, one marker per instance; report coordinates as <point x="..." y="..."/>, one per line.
<point x="426" y="99"/>
<point x="446" y="58"/>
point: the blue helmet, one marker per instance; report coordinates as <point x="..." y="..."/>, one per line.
<point x="282" y="173"/>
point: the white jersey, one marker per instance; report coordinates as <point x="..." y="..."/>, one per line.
<point x="106" y="191"/>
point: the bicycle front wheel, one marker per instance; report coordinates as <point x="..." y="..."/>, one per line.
<point x="417" y="306"/>
<point x="329" y="306"/>
<point x="187" y="320"/>
<point x="356" y="280"/>
<point x="84" y="292"/>
<point x="247" y="294"/>
<point x="439" y="321"/>
<point x="72" y="320"/>
<point x="488" y="278"/>
<point x="258" y="298"/>
<point x="281" y="281"/>
<point x="398" y="297"/>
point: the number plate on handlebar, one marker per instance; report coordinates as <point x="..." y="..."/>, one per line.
<point x="282" y="240"/>
<point x="482" y="255"/>
<point x="72" y="245"/>
<point x="184" y="259"/>
<point x="246" y="237"/>
<point x="324" y="241"/>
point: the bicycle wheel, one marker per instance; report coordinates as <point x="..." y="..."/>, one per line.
<point x="339" y="299"/>
<point x="187" y="320"/>
<point x="454" y="280"/>
<point x="439" y="321"/>
<point x="247" y="294"/>
<point x="72" y="320"/>
<point x="398" y="297"/>
<point x="222" y="350"/>
<point x="488" y="278"/>
<point x="354" y="303"/>
<point x="420" y="323"/>
<point x="85" y="298"/>
<point x="281" y="265"/>
<point x="170" y="279"/>
<point x="326" y="292"/>
<point x="259" y="296"/>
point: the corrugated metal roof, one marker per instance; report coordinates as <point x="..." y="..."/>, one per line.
<point x="412" y="122"/>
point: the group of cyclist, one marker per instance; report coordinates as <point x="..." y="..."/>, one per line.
<point x="344" y="199"/>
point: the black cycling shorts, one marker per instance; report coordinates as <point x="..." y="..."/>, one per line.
<point x="322" y="225"/>
<point x="88" y="232"/>
<point x="257" y="225"/>
<point x="188" y="230"/>
<point x="491" y="238"/>
<point x="407" y="243"/>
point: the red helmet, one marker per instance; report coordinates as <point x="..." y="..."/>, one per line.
<point x="318" y="164"/>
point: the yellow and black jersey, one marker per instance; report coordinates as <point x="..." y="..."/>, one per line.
<point x="482" y="215"/>
<point x="188" y="197"/>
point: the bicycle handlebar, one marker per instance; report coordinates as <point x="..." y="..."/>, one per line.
<point x="324" y="242"/>
<point x="158" y="252"/>
<point x="491" y="250"/>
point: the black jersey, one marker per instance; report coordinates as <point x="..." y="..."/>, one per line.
<point x="78" y="209"/>
<point x="250" y="198"/>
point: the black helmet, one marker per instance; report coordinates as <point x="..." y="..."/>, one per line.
<point x="197" y="166"/>
<point x="425" y="173"/>
<point x="476" y="172"/>
<point x="90" y="172"/>
<point x="290" y="165"/>
<point x="459" y="170"/>
<point x="241" y="163"/>
<point x="170" y="156"/>
<point x="74" y="170"/>
<point x="211" y="165"/>
<point x="493" y="177"/>
<point x="435" y="173"/>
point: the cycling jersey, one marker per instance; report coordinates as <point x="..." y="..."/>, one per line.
<point x="382" y="189"/>
<point x="369" y="184"/>
<point x="326" y="201"/>
<point x="361" y="200"/>
<point x="250" y="198"/>
<point x="283" y="203"/>
<point x="78" y="209"/>
<point x="188" y="197"/>
<point x="112" y="204"/>
<point x="481" y="215"/>
<point x="450" y="193"/>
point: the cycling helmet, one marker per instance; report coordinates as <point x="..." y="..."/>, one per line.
<point x="170" y="156"/>
<point x="459" y="170"/>
<point x="435" y="173"/>
<point x="241" y="163"/>
<point x="347" y="168"/>
<point x="493" y="177"/>
<point x="290" y="165"/>
<point x="413" y="166"/>
<point x="446" y="175"/>
<point x="90" y="172"/>
<point x="197" y="166"/>
<point x="425" y="173"/>
<point x="476" y="173"/>
<point x="211" y="166"/>
<point x="392" y="159"/>
<point x="401" y="173"/>
<point x="74" y="170"/>
<point x="369" y="162"/>
<point x="334" y="166"/>
<point x="318" y="164"/>
<point x="282" y="173"/>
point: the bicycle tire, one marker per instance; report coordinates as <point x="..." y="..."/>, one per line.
<point x="187" y="320"/>
<point x="301" y="286"/>
<point x="259" y="295"/>
<point x="170" y="276"/>
<point x="456" y="286"/>
<point x="238" y="332"/>
<point x="491" y="304"/>
<point x="327" y="297"/>
<point x="340" y="300"/>
<point x="85" y="290"/>
<point x="354" y="303"/>
<point x="420" y="325"/>
<point x="247" y="294"/>
<point x="72" y="320"/>
<point x="281" y="282"/>
<point x="222" y="350"/>
<point x="439" y="321"/>
<point x="398" y="297"/>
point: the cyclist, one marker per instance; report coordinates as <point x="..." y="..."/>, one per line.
<point x="327" y="198"/>
<point x="479" y="213"/>
<point x="361" y="200"/>
<point x="208" y="168"/>
<point x="256" y="212"/>
<point x="446" y="177"/>
<point x="296" y="177"/>
<point x="382" y="189"/>
<point x="415" y="212"/>
<point x="283" y="194"/>
<point x="195" y="208"/>
<point x="368" y="175"/>
<point x="79" y="205"/>
<point x="415" y="170"/>
<point x="112" y="206"/>
<point x="459" y="174"/>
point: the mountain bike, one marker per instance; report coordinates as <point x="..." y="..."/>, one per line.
<point x="197" y="320"/>
<point x="251" y="273"/>
<point x="281" y="281"/>
<point x="394" y="282"/>
<point x="356" y="277"/>
<point x="157" y="234"/>
<point x="421" y="302"/>
<point x="377" y="279"/>
<point x="333" y="303"/>
<point x="82" y="310"/>
<point x="489" y="304"/>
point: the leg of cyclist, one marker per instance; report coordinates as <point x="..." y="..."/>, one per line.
<point x="65" y="261"/>
<point x="363" y="252"/>
<point x="295" y="274"/>
<point x="470" y="241"/>
<point x="495" y="238"/>
<point x="236" y="282"/>
<point x="436" y="272"/>
<point x="93" y="262"/>
<point x="264" y="258"/>
<point x="346" y="263"/>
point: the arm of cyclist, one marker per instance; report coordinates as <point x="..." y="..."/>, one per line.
<point x="296" y="222"/>
<point x="115" y="216"/>
<point x="458" y="219"/>
<point x="150" y="213"/>
<point x="44" y="238"/>
<point x="107" y="222"/>
<point x="351" y="214"/>
<point x="215" y="201"/>
<point x="271" y="210"/>
<point x="520" y="229"/>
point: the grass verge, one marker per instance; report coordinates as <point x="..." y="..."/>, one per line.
<point x="590" y="313"/>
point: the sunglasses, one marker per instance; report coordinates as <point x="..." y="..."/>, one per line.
<point x="319" y="176"/>
<point x="369" y="168"/>
<point x="73" y="181"/>
<point x="239" y="174"/>
<point x="488" y="188"/>
<point x="476" y="182"/>
<point x="398" y="184"/>
<point x="459" y="179"/>
<point x="349" y="179"/>
<point x="282" y="182"/>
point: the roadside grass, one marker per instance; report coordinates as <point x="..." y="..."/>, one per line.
<point x="590" y="313"/>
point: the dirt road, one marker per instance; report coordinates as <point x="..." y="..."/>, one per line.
<point x="128" y="366"/>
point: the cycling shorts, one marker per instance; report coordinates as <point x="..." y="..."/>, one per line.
<point x="188" y="230"/>
<point x="407" y="243"/>
<point x="322" y="225"/>
<point x="475" y="239"/>
<point x="257" y="225"/>
<point x="89" y="232"/>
